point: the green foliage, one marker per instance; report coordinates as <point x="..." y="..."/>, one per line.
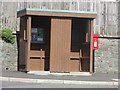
<point x="6" y="35"/>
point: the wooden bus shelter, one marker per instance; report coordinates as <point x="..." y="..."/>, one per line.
<point x="56" y="40"/>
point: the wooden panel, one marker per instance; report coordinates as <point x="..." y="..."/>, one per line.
<point x="74" y="55"/>
<point x="22" y="43"/>
<point x="79" y="62"/>
<point x="22" y="54"/>
<point x="60" y="44"/>
<point x="85" y="64"/>
<point x="86" y="50"/>
<point x="36" y="64"/>
<point x="28" y="68"/>
<point x="91" y="44"/>
<point x="78" y="43"/>
<point x="34" y="53"/>
<point x="74" y="65"/>
<point x="45" y="23"/>
<point x="33" y="64"/>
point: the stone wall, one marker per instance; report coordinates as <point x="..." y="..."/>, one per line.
<point x="8" y="56"/>
<point x="106" y="57"/>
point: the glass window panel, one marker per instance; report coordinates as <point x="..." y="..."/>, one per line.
<point x="37" y="35"/>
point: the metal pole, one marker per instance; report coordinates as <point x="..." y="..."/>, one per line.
<point x="93" y="61"/>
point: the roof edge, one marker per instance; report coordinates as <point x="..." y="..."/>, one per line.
<point x="55" y="10"/>
<point x="27" y="11"/>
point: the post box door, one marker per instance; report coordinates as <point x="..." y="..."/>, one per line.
<point x="95" y="41"/>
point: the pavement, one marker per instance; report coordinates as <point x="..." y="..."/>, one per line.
<point x="60" y="78"/>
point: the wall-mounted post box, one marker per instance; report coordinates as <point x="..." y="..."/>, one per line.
<point x="95" y="41"/>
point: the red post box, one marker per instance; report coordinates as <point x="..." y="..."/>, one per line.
<point x="95" y="41"/>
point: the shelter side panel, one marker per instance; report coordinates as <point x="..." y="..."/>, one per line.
<point x="22" y="43"/>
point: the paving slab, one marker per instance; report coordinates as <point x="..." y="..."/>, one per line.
<point x="92" y="77"/>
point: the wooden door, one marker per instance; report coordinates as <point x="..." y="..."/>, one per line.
<point x="60" y="44"/>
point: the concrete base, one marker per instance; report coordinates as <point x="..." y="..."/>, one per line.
<point x="52" y="73"/>
<point x="39" y="72"/>
<point x="81" y="73"/>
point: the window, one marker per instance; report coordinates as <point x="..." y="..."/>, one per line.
<point x="37" y="35"/>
